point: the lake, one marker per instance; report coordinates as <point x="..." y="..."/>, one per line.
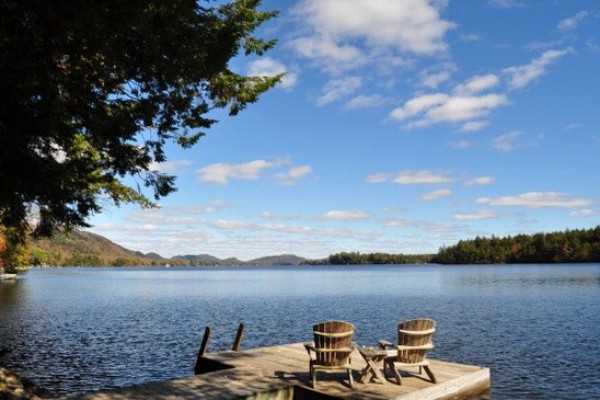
<point x="537" y="327"/>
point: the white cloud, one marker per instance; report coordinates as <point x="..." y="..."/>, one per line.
<point x="466" y="105"/>
<point x="593" y="45"/>
<point x="345" y="215"/>
<point x="364" y="101"/>
<point x="584" y="212"/>
<point x="164" y="220"/>
<point x="436" y="194"/>
<point x="480" y="181"/>
<point x="395" y="209"/>
<point x="378" y="178"/>
<point x="338" y="29"/>
<point x="571" y="23"/>
<point x="463" y="144"/>
<point x="473" y="126"/>
<point x="276" y="217"/>
<point x="219" y="204"/>
<point x="418" y="105"/>
<point x="521" y="76"/>
<point x="222" y="173"/>
<point x="293" y="175"/>
<point x="170" y="167"/>
<point x="397" y="222"/>
<point x="470" y="37"/>
<point x="438" y="228"/>
<point x="176" y="215"/>
<point x="476" y="216"/>
<point x="543" y="45"/>
<point x="573" y="126"/>
<point x="464" y="108"/>
<point x="419" y="178"/>
<point x="140" y="229"/>
<point x="231" y="224"/>
<point x="469" y="103"/>
<point x="411" y="25"/>
<point x="477" y="84"/>
<point x="267" y="66"/>
<point x="433" y="79"/>
<point x="322" y="50"/>
<point x="536" y="200"/>
<point x="507" y="142"/>
<point x="291" y="229"/>
<point x="439" y="107"/>
<point x="337" y="89"/>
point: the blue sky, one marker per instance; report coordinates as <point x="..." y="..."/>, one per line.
<point x="400" y="127"/>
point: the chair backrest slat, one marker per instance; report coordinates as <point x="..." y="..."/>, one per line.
<point x="333" y="342"/>
<point x="418" y="333"/>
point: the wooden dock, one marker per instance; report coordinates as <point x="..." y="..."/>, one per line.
<point x="281" y="373"/>
<point x="8" y="277"/>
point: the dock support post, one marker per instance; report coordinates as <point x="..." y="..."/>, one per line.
<point x="203" y="347"/>
<point x="238" y="338"/>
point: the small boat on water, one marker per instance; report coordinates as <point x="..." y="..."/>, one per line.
<point x="8" y="277"/>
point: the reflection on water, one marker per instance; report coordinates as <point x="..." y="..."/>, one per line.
<point x="72" y="330"/>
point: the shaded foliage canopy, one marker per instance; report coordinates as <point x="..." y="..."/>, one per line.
<point x="92" y="91"/>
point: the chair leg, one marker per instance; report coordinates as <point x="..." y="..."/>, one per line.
<point x="430" y="374"/>
<point x="314" y="378"/>
<point x="350" y="378"/>
<point x="395" y="372"/>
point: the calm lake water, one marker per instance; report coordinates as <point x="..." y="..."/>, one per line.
<point x="537" y="327"/>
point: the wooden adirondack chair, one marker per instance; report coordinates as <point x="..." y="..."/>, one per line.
<point x="414" y="341"/>
<point x="331" y="349"/>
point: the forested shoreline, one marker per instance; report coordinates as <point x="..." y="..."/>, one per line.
<point x="357" y="258"/>
<point x="78" y="248"/>
<point x="570" y="246"/>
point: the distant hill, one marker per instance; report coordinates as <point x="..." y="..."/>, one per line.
<point x="81" y="248"/>
<point x="204" y="259"/>
<point x="199" y="258"/>
<point x="207" y="259"/>
<point x="153" y="256"/>
<point x="284" y="259"/>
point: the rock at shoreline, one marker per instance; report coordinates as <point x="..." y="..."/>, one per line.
<point x="14" y="387"/>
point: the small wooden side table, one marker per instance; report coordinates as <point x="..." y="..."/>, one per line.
<point x="374" y="358"/>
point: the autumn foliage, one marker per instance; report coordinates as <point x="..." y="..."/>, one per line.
<point x="2" y="250"/>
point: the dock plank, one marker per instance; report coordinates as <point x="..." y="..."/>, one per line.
<point x="280" y="369"/>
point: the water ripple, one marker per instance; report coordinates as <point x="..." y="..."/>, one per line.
<point x="75" y="330"/>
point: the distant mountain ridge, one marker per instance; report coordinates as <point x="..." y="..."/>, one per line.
<point x="82" y="248"/>
<point x="283" y="259"/>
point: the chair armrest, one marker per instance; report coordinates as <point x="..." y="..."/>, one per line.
<point x="384" y="344"/>
<point x="427" y="346"/>
<point x="309" y="346"/>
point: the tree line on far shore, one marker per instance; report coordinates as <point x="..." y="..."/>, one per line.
<point x="570" y="246"/>
<point x="77" y="248"/>
<point x="357" y="258"/>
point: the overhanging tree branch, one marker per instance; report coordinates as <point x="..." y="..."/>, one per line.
<point x="82" y="83"/>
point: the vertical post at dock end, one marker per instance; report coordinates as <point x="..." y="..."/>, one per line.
<point x="203" y="348"/>
<point x="238" y="338"/>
